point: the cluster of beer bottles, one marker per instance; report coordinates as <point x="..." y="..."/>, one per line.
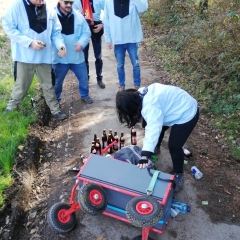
<point x="97" y="146"/>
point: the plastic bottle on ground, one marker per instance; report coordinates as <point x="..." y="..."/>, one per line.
<point x="196" y="172"/>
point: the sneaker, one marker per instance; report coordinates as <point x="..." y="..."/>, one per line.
<point x="178" y="180"/>
<point x="101" y="84"/>
<point x="87" y="100"/>
<point x="60" y="116"/>
<point x="157" y="150"/>
<point x="121" y="88"/>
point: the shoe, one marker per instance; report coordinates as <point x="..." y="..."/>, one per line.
<point x="60" y="116"/>
<point x="157" y="150"/>
<point x="6" y="111"/>
<point x="87" y="100"/>
<point x="101" y="84"/>
<point x="121" y="88"/>
<point x="178" y="180"/>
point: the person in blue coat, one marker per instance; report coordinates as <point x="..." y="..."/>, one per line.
<point x="76" y="35"/>
<point x="162" y="107"/>
<point x="122" y="28"/>
<point x="33" y="28"/>
<point x="97" y="31"/>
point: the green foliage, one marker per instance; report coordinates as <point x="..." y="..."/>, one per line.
<point x="14" y="128"/>
<point x="201" y="52"/>
<point x="5" y="181"/>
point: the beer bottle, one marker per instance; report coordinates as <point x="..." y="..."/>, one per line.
<point x="115" y="145"/>
<point x="133" y="136"/>
<point x="110" y="132"/>
<point x="104" y="139"/>
<point x="98" y="146"/>
<point x="95" y="138"/>
<point x="122" y="140"/>
<point x="109" y="141"/>
<point x="93" y="149"/>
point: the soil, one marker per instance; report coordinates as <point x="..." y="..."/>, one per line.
<point x="41" y="176"/>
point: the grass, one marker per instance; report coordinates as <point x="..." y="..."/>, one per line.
<point x="201" y="52"/>
<point x="14" y="128"/>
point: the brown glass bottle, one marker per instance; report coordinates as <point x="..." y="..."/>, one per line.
<point x="93" y="149"/>
<point x="115" y="145"/>
<point x="133" y="136"/>
<point x="110" y="132"/>
<point x="95" y="138"/>
<point x="98" y="147"/>
<point x="104" y="139"/>
<point x="122" y="140"/>
<point x="110" y="150"/>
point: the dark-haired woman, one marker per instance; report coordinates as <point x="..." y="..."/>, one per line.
<point x="161" y="106"/>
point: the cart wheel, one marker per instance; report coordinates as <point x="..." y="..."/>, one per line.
<point x="57" y="219"/>
<point x="140" y="238"/>
<point x="143" y="211"/>
<point x="92" y="199"/>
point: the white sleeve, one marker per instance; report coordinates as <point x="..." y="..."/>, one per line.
<point x="154" y="118"/>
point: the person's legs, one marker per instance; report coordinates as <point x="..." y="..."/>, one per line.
<point x="80" y="71"/>
<point x="132" y="49"/>
<point x="119" y="51"/>
<point x="178" y="136"/>
<point x="85" y="51"/>
<point x="43" y="72"/>
<point x="24" y="79"/>
<point x="157" y="148"/>
<point x="97" y="48"/>
<point x="60" y="72"/>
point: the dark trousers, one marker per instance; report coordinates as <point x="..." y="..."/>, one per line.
<point x="178" y="136"/>
<point x="97" y="48"/>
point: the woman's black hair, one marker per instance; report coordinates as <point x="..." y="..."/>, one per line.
<point x="129" y="106"/>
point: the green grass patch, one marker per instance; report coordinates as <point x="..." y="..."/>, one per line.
<point x="5" y="181"/>
<point x="14" y="128"/>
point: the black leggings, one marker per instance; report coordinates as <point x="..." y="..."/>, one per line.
<point x="178" y="136"/>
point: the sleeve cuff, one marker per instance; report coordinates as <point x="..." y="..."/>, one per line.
<point x="146" y="153"/>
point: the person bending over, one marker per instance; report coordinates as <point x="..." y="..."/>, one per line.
<point x="162" y="107"/>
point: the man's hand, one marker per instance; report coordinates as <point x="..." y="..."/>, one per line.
<point x="37" y="45"/>
<point x="62" y="52"/>
<point x="109" y="45"/>
<point x="97" y="28"/>
<point x="78" y="47"/>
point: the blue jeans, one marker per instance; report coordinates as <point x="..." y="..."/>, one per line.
<point x="80" y="71"/>
<point x="120" y="51"/>
<point x="97" y="48"/>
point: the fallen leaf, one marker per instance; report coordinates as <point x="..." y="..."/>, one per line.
<point x="226" y="191"/>
<point x="20" y="147"/>
<point x="100" y="238"/>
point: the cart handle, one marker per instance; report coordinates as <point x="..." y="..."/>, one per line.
<point x="107" y="147"/>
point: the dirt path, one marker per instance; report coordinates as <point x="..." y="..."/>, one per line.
<point x="64" y="141"/>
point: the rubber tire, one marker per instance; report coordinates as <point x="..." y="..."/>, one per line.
<point x="143" y="220"/>
<point x="54" y="221"/>
<point x="85" y="202"/>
